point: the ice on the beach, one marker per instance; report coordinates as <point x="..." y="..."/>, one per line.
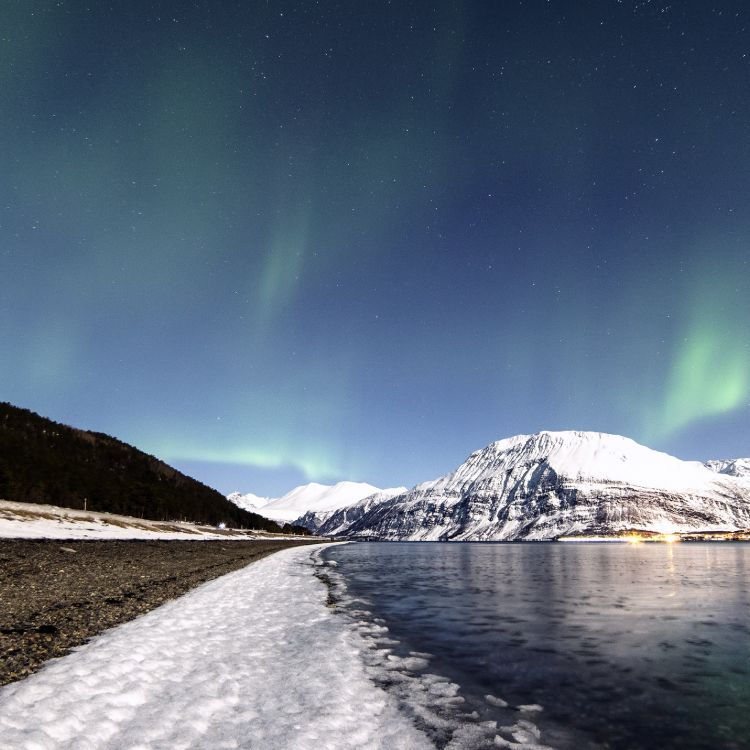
<point x="495" y="701"/>
<point x="433" y="701"/>
<point x="525" y="735"/>
<point x="251" y="660"/>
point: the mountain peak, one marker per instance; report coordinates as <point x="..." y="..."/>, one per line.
<point x="314" y="497"/>
<point x="551" y="484"/>
<point x="592" y="455"/>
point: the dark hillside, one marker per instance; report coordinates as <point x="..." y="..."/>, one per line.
<point x="42" y="461"/>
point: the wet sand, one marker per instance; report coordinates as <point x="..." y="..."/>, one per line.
<point x="57" y="594"/>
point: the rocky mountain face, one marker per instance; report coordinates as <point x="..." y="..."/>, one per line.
<point x="335" y="522"/>
<point x="733" y="467"/>
<point x="555" y="484"/>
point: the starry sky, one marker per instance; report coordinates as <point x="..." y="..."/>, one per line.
<point x="277" y="242"/>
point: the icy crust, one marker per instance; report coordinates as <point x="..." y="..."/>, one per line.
<point x="252" y="660"/>
<point x="561" y="483"/>
<point x="432" y="701"/>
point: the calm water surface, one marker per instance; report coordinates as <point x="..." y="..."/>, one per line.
<point x="624" y="646"/>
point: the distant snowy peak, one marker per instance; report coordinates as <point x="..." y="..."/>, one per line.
<point x="313" y="497"/>
<point x="733" y="467"/>
<point x="249" y="501"/>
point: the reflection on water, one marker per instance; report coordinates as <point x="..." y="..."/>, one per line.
<point x="631" y="646"/>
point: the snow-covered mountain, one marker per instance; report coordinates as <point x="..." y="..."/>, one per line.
<point x="333" y="522"/>
<point x="558" y="483"/>
<point x="249" y="501"/>
<point x="313" y="497"/>
<point x="734" y="467"/>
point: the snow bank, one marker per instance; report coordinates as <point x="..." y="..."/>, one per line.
<point x="251" y="660"/>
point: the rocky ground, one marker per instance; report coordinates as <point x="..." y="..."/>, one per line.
<point x="55" y="595"/>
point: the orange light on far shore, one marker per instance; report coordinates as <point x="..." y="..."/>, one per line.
<point x="671" y="538"/>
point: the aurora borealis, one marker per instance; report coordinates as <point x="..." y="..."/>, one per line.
<point x="275" y="242"/>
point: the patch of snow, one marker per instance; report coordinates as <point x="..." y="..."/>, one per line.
<point x="236" y="663"/>
<point x="495" y="701"/>
<point x="35" y="521"/>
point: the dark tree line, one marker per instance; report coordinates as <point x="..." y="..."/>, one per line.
<point x="42" y="461"/>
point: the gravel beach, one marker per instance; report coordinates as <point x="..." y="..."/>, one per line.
<point x="56" y="594"/>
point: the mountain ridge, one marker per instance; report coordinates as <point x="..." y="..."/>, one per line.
<point x="45" y="462"/>
<point x="334" y="522"/>
<point x="551" y="484"/>
<point x="312" y="497"/>
<point x="735" y="467"/>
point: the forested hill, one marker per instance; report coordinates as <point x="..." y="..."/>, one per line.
<point x="42" y="461"/>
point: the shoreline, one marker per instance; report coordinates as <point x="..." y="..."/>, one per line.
<point x="56" y="594"/>
<point x="253" y="659"/>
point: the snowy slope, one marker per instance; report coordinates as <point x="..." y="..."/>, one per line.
<point x="333" y="522"/>
<point x="254" y="659"/>
<point x="313" y="497"/>
<point x="557" y="483"/>
<point x="250" y="502"/>
<point x="733" y="467"/>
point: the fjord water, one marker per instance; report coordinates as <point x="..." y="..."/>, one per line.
<point x="622" y="646"/>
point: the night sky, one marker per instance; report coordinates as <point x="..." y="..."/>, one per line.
<point x="277" y="242"/>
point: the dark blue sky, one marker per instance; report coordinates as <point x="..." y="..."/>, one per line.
<point x="278" y="242"/>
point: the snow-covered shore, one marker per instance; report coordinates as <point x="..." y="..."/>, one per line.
<point x="251" y="660"/>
